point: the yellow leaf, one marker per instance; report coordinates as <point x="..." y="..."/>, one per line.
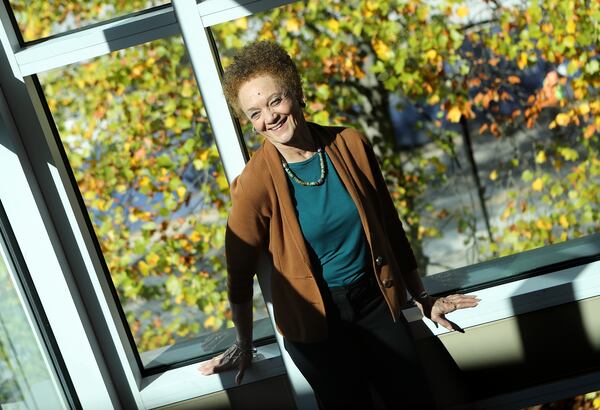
<point x="571" y="27"/>
<point x="181" y="192"/>
<point x="584" y="108"/>
<point x="210" y="322"/>
<point x="132" y="218"/>
<point x="203" y="155"/>
<point x="434" y="99"/>
<point x="542" y="224"/>
<point x="423" y="13"/>
<point x="222" y="182"/>
<point x="522" y="60"/>
<point x="170" y="122"/>
<point x="144" y="268"/>
<point x="453" y="114"/>
<point x="569" y="41"/>
<point x="431" y="55"/>
<point x="494" y="175"/>
<point x="195" y="237"/>
<point x="547" y="28"/>
<point x="562" y="119"/>
<point x="462" y="11"/>
<point x="381" y="49"/>
<point x="540" y="158"/>
<point x="334" y="25"/>
<point x="563" y="221"/>
<point x="137" y="70"/>
<point x="242" y="23"/>
<point x="569" y="154"/>
<point x="187" y="90"/>
<point x="105" y="206"/>
<point x="537" y="185"/>
<point x="372" y="5"/>
<point x="188" y="113"/>
<point x="589" y="131"/>
<point x="152" y="259"/>
<point x="292" y="24"/>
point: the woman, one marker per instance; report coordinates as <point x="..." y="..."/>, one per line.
<point x="315" y="199"/>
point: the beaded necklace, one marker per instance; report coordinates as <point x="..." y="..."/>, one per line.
<point x="296" y="179"/>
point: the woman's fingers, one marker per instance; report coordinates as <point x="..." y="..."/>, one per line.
<point x="207" y="367"/>
<point x="449" y="304"/>
<point x="442" y="321"/>
<point x="240" y="374"/>
<point x="229" y="360"/>
<point x="462" y="301"/>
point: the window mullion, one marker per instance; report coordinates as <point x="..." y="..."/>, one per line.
<point x="206" y="69"/>
<point x="206" y="63"/>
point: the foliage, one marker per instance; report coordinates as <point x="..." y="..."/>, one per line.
<point x="139" y="143"/>
<point x="140" y="146"/>
<point x="39" y="19"/>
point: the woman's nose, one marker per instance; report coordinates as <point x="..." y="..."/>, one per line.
<point x="270" y="116"/>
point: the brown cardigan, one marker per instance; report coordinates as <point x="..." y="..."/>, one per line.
<point x="263" y="217"/>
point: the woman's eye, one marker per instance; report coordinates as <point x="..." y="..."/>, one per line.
<point x="254" y="115"/>
<point x="276" y="101"/>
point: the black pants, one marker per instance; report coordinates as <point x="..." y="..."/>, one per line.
<point x="368" y="361"/>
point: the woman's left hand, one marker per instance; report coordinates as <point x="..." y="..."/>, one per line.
<point x="436" y="309"/>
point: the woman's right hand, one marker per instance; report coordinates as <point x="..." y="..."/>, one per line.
<point x="235" y="357"/>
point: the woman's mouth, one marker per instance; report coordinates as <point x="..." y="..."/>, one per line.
<point x="278" y="125"/>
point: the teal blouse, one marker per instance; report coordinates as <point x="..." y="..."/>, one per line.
<point x="330" y="223"/>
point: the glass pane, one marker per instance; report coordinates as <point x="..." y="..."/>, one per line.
<point x="26" y="381"/>
<point x="140" y="146"/>
<point x="484" y="117"/>
<point x="39" y="19"/>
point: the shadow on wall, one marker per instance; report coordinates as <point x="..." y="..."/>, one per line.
<point x="547" y="345"/>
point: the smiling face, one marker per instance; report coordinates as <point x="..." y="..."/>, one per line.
<point x="274" y="113"/>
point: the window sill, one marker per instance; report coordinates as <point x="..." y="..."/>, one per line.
<point x="186" y="382"/>
<point x="497" y="302"/>
<point x="524" y="295"/>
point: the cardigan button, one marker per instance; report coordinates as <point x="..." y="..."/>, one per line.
<point x="379" y="260"/>
<point x="388" y="283"/>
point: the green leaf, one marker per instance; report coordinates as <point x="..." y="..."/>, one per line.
<point x="527" y="175"/>
<point x="164" y="161"/>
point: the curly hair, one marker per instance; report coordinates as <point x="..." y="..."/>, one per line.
<point x="260" y="58"/>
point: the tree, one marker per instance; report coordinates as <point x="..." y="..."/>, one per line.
<point x="139" y="143"/>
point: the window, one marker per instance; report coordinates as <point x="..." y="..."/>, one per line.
<point x="138" y="141"/>
<point x="39" y="19"/>
<point x="412" y="76"/>
<point x="485" y="128"/>
<point x="27" y="378"/>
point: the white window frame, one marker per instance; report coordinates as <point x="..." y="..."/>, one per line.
<point x="43" y="208"/>
<point x="34" y="396"/>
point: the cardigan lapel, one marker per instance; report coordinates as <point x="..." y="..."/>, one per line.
<point x="340" y="164"/>
<point x="284" y="197"/>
